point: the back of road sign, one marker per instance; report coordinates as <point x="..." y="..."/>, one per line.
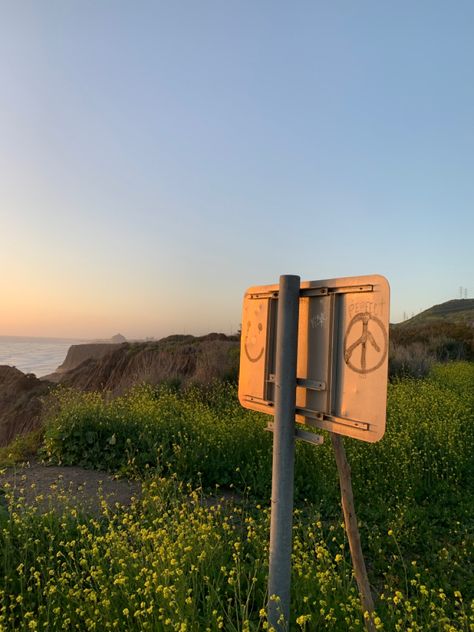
<point x="342" y="354"/>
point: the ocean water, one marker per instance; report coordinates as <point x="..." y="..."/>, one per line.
<point x="34" y="355"/>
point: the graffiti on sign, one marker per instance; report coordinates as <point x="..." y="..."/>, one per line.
<point x="254" y="337"/>
<point x="372" y="333"/>
<point x="318" y="320"/>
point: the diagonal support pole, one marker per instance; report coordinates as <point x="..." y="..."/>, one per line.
<point x="352" y="530"/>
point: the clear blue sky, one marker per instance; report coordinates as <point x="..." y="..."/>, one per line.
<point x="157" y="158"/>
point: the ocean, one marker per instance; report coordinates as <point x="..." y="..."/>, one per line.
<point x="34" y="355"/>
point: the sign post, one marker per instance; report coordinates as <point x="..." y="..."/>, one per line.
<point x="281" y="520"/>
<point x="315" y="353"/>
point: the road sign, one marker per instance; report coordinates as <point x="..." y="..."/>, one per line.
<point x="342" y="360"/>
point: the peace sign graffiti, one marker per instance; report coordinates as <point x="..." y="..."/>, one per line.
<point x="366" y="337"/>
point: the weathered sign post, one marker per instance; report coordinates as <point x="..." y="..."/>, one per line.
<point x="316" y="352"/>
<point x="281" y="520"/>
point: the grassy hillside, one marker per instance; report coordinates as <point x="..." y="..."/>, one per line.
<point x="180" y="559"/>
<point x="457" y="311"/>
<point x="175" y="359"/>
<point x="416" y="345"/>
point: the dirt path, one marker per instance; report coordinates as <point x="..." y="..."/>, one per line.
<point x="57" y="487"/>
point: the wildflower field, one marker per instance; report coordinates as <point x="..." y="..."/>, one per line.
<point x="191" y="553"/>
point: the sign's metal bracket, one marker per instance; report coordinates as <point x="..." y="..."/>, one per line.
<point x="260" y="295"/>
<point x="258" y="400"/>
<point x="312" y="385"/>
<point x="361" y="425"/>
<point x="311" y="415"/>
<point x="318" y="291"/>
<point x="324" y="291"/>
<point x="302" y="435"/>
<point x="309" y="437"/>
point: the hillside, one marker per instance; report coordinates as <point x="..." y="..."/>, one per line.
<point x="115" y="368"/>
<point x="20" y="402"/>
<point x="77" y="354"/>
<point x="437" y="335"/>
<point x="177" y="359"/>
<point x="441" y="333"/>
<point x="457" y="311"/>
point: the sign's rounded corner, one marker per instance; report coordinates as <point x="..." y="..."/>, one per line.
<point x="378" y="436"/>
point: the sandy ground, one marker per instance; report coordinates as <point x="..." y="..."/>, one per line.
<point x="57" y="487"/>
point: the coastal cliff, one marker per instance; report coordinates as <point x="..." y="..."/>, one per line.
<point x="177" y="359"/>
<point x="77" y="354"/>
<point x="115" y="368"/>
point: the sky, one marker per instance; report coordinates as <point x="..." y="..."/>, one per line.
<point x="158" y="158"/>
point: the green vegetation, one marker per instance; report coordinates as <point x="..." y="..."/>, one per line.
<point x="454" y="311"/>
<point x="202" y="439"/>
<point x="22" y="448"/>
<point x="416" y="347"/>
<point x="181" y="559"/>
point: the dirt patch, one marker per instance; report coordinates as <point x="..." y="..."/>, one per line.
<point x="53" y="487"/>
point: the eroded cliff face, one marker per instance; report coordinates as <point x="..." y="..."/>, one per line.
<point x="20" y="403"/>
<point x="77" y="354"/>
<point x="178" y="359"/>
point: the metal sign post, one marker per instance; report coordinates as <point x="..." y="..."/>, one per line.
<point x="279" y="577"/>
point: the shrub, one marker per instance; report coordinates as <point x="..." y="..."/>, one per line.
<point x="205" y="437"/>
<point x="415" y="348"/>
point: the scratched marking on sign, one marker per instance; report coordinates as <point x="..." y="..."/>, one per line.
<point x="318" y="320"/>
<point x="359" y="307"/>
<point x="253" y="337"/>
<point x="374" y="335"/>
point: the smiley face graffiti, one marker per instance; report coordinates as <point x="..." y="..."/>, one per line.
<point x="254" y="342"/>
<point x="376" y="335"/>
